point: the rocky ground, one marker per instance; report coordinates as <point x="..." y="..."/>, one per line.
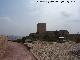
<point x="54" y="51"/>
<point x="17" y="51"/>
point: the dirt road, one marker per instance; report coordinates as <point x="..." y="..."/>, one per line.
<point x="17" y="51"/>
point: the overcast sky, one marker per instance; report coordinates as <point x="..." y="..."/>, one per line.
<point x="19" y="17"/>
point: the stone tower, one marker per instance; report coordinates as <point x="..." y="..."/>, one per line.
<point x="41" y="27"/>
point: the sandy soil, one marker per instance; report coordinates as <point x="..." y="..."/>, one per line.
<point x="17" y="51"/>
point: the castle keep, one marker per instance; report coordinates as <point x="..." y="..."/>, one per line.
<point x="41" y="27"/>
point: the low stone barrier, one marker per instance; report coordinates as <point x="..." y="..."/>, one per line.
<point x="3" y="44"/>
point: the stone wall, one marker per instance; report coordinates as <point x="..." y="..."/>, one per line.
<point x="3" y="44"/>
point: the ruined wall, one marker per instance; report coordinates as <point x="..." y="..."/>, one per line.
<point x="75" y="37"/>
<point x="3" y="44"/>
<point x="64" y="33"/>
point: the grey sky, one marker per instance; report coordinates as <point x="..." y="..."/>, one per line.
<point x="19" y="17"/>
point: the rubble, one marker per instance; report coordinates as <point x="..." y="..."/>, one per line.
<point x="43" y="50"/>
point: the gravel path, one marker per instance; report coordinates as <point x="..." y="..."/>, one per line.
<point x="17" y="51"/>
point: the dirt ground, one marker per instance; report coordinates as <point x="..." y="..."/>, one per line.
<point x="17" y="51"/>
